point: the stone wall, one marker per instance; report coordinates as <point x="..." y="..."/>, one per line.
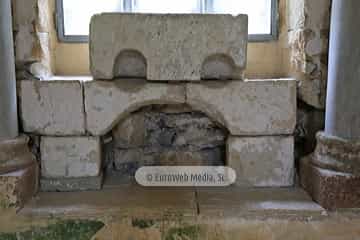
<point x="304" y="30"/>
<point x="308" y="36"/>
<point x="33" y="27"/>
<point x="309" y="24"/>
<point x="259" y="117"/>
<point x="73" y="119"/>
<point x="166" y="135"/>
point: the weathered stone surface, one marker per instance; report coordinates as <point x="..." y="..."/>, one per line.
<point x="71" y="184"/>
<point x="106" y="103"/>
<point x="175" y="46"/>
<point x="127" y="161"/>
<point x="337" y="154"/>
<point x="308" y="29"/>
<point x="262" y="161"/>
<point x="131" y="132"/>
<point x="24" y="12"/>
<point x="258" y="107"/>
<point x="52" y="107"/>
<point x="15" y="155"/>
<point x="19" y="186"/>
<point x="26" y="42"/>
<point x="151" y="127"/>
<point x="206" y="157"/>
<point x="331" y="189"/>
<point x="33" y="25"/>
<point x="67" y="157"/>
<point x="166" y="135"/>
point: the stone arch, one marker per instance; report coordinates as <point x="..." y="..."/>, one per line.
<point x="130" y="63"/>
<point x="167" y="135"/>
<point x="107" y="102"/>
<point x="218" y="66"/>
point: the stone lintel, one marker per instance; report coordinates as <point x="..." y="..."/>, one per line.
<point x="108" y="102"/>
<point x="176" y="47"/>
<point x="270" y="105"/>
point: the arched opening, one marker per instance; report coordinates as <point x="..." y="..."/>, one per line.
<point x="164" y="135"/>
<point x="130" y="64"/>
<point x="218" y="66"/>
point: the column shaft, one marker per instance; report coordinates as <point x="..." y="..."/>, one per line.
<point x="343" y="91"/>
<point x="8" y="107"/>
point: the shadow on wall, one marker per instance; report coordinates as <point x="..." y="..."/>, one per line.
<point x="132" y="64"/>
<point x="168" y="135"/>
<point x="309" y="121"/>
<point x="220" y="66"/>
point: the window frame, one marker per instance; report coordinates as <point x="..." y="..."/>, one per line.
<point x="127" y="5"/>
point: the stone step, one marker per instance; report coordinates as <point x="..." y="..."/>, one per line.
<point x="135" y="201"/>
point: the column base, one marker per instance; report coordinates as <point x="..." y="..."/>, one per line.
<point x="331" y="174"/>
<point x="15" y="155"/>
<point x="17" y="187"/>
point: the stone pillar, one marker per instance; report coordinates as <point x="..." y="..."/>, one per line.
<point x="8" y="108"/>
<point x="18" y="170"/>
<point x="343" y="102"/>
<point x="332" y="173"/>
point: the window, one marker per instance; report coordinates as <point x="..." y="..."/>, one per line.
<point x="73" y="17"/>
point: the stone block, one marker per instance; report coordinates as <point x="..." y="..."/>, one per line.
<point x="52" y="107"/>
<point x="71" y="184"/>
<point x="331" y="189"/>
<point x="247" y="108"/>
<point x="262" y="161"/>
<point x="131" y="132"/>
<point x="169" y="47"/>
<point x="18" y="187"/>
<point x="107" y="103"/>
<point x="69" y="157"/>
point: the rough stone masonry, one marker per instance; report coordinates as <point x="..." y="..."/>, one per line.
<point x="166" y="135"/>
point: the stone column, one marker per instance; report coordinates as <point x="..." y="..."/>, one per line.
<point x="332" y="173"/>
<point x="8" y="108"/>
<point x="18" y="170"/>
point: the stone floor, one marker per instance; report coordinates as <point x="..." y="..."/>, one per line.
<point x="136" y="201"/>
<point x="128" y="211"/>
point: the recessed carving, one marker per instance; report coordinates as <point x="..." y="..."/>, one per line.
<point x="130" y="63"/>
